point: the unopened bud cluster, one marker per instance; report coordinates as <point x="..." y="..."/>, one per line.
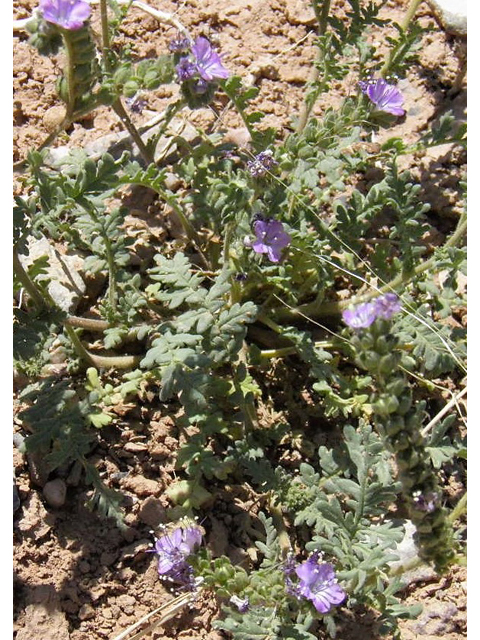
<point x="398" y="419"/>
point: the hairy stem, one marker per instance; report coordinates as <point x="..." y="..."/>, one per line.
<point x="409" y="15"/>
<point x="170" y="112"/>
<point x="112" y="276"/>
<point x="119" y="109"/>
<point x="279" y="522"/>
<point x="117" y="106"/>
<point x="105" y="34"/>
<point x="231" y="94"/>
<point x="321" y="13"/>
<point x="100" y="362"/>
<point x="459" y="510"/>
<point x="90" y="324"/>
<point x="188" y="228"/>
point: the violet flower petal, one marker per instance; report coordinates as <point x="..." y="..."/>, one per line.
<point x="173" y="548"/>
<point x="186" y="69"/>
<point x="387" y="305"/>
<point x="271" y="238"/>
<point x="68" y="14"/>
<point x="361" y="316"/>
<point x="318" y="584"/>
<point x="385" y="96"/>
<point x="208" y="61"/>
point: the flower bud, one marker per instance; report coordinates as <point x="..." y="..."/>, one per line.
<point x="130" y="88"/>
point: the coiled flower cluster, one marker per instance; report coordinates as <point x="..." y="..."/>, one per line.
<point x="398" y="419"/>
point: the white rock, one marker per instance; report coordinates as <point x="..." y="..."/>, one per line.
<point x="66" y="286"/>
<point x="452" y="15"/>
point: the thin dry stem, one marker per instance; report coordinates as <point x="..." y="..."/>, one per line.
<point x="446" y="409"/>
<point x="169" y="610"/>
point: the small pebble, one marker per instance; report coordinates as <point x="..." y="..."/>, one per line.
<point x="55" y="492"/>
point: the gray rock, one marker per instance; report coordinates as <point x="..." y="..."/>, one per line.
<point x="116" y="143"/>
<point x="407" y="552"/>
<point x="66" y="285"/>
<point x="73" y="478"/>
<point x="406" y="549"/>
<point x="452" y="15"/>
<point x="55" y="492"/>
<point x="38" y="468"/>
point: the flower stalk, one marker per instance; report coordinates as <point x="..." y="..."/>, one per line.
<point x="409" y="15"/>
<point x="397" y="418"/>
<point x="321" y="13"/>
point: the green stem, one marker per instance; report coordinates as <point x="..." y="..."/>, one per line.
<point x="187" y="226"/>
<point x="69" y="77"/>
<point x="105" y="34"/>
<point x="321" y="14"/>
<point x="236" y="103"/>
<point x="90" y="324"/>
<point x="409" y="15"/>
<point x="268" y="322"/>
<point x="279" y="523"/>
<point x="100" y="362"/>
<point x="119" y="109"/>
<point x="408" y="566"/>
<point x="112" y="276"/>
<point x="284" y="352"/>
<point x="32" y="289"/>
<point x="117" y="106"/>
<point x="267" y="354"/>
<point x="459" y="510"/>
<point x="170" y="113"/>
<point x="79" y="348"/>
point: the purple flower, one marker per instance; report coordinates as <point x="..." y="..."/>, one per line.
<point x="179" y="44"/>
<point x="173" y="549"/>
<point x="271" y="238"/>
<point x="136" y="104"/>
<point x="242" y="604"/>
<point x="68" y="14"/>
<point x="387" y="305"/>
<point x="262" y="163"/>
<point x="209" y="63"/>
<point x="319" y="584"/>
<point x="427" y="502"/>
<point x="361" y="316"/>
<point x="186" y="69"/>
<point x="385" y="96"/>
<point x="204" y="64"/>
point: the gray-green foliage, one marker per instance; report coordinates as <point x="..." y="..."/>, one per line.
<point x="204" y="323"/>
<point x="60" y="422"/>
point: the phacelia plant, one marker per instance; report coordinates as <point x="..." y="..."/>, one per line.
<point x="290" y="317"/>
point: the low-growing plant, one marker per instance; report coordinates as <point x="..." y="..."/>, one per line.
<point x="291" y="274"/>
